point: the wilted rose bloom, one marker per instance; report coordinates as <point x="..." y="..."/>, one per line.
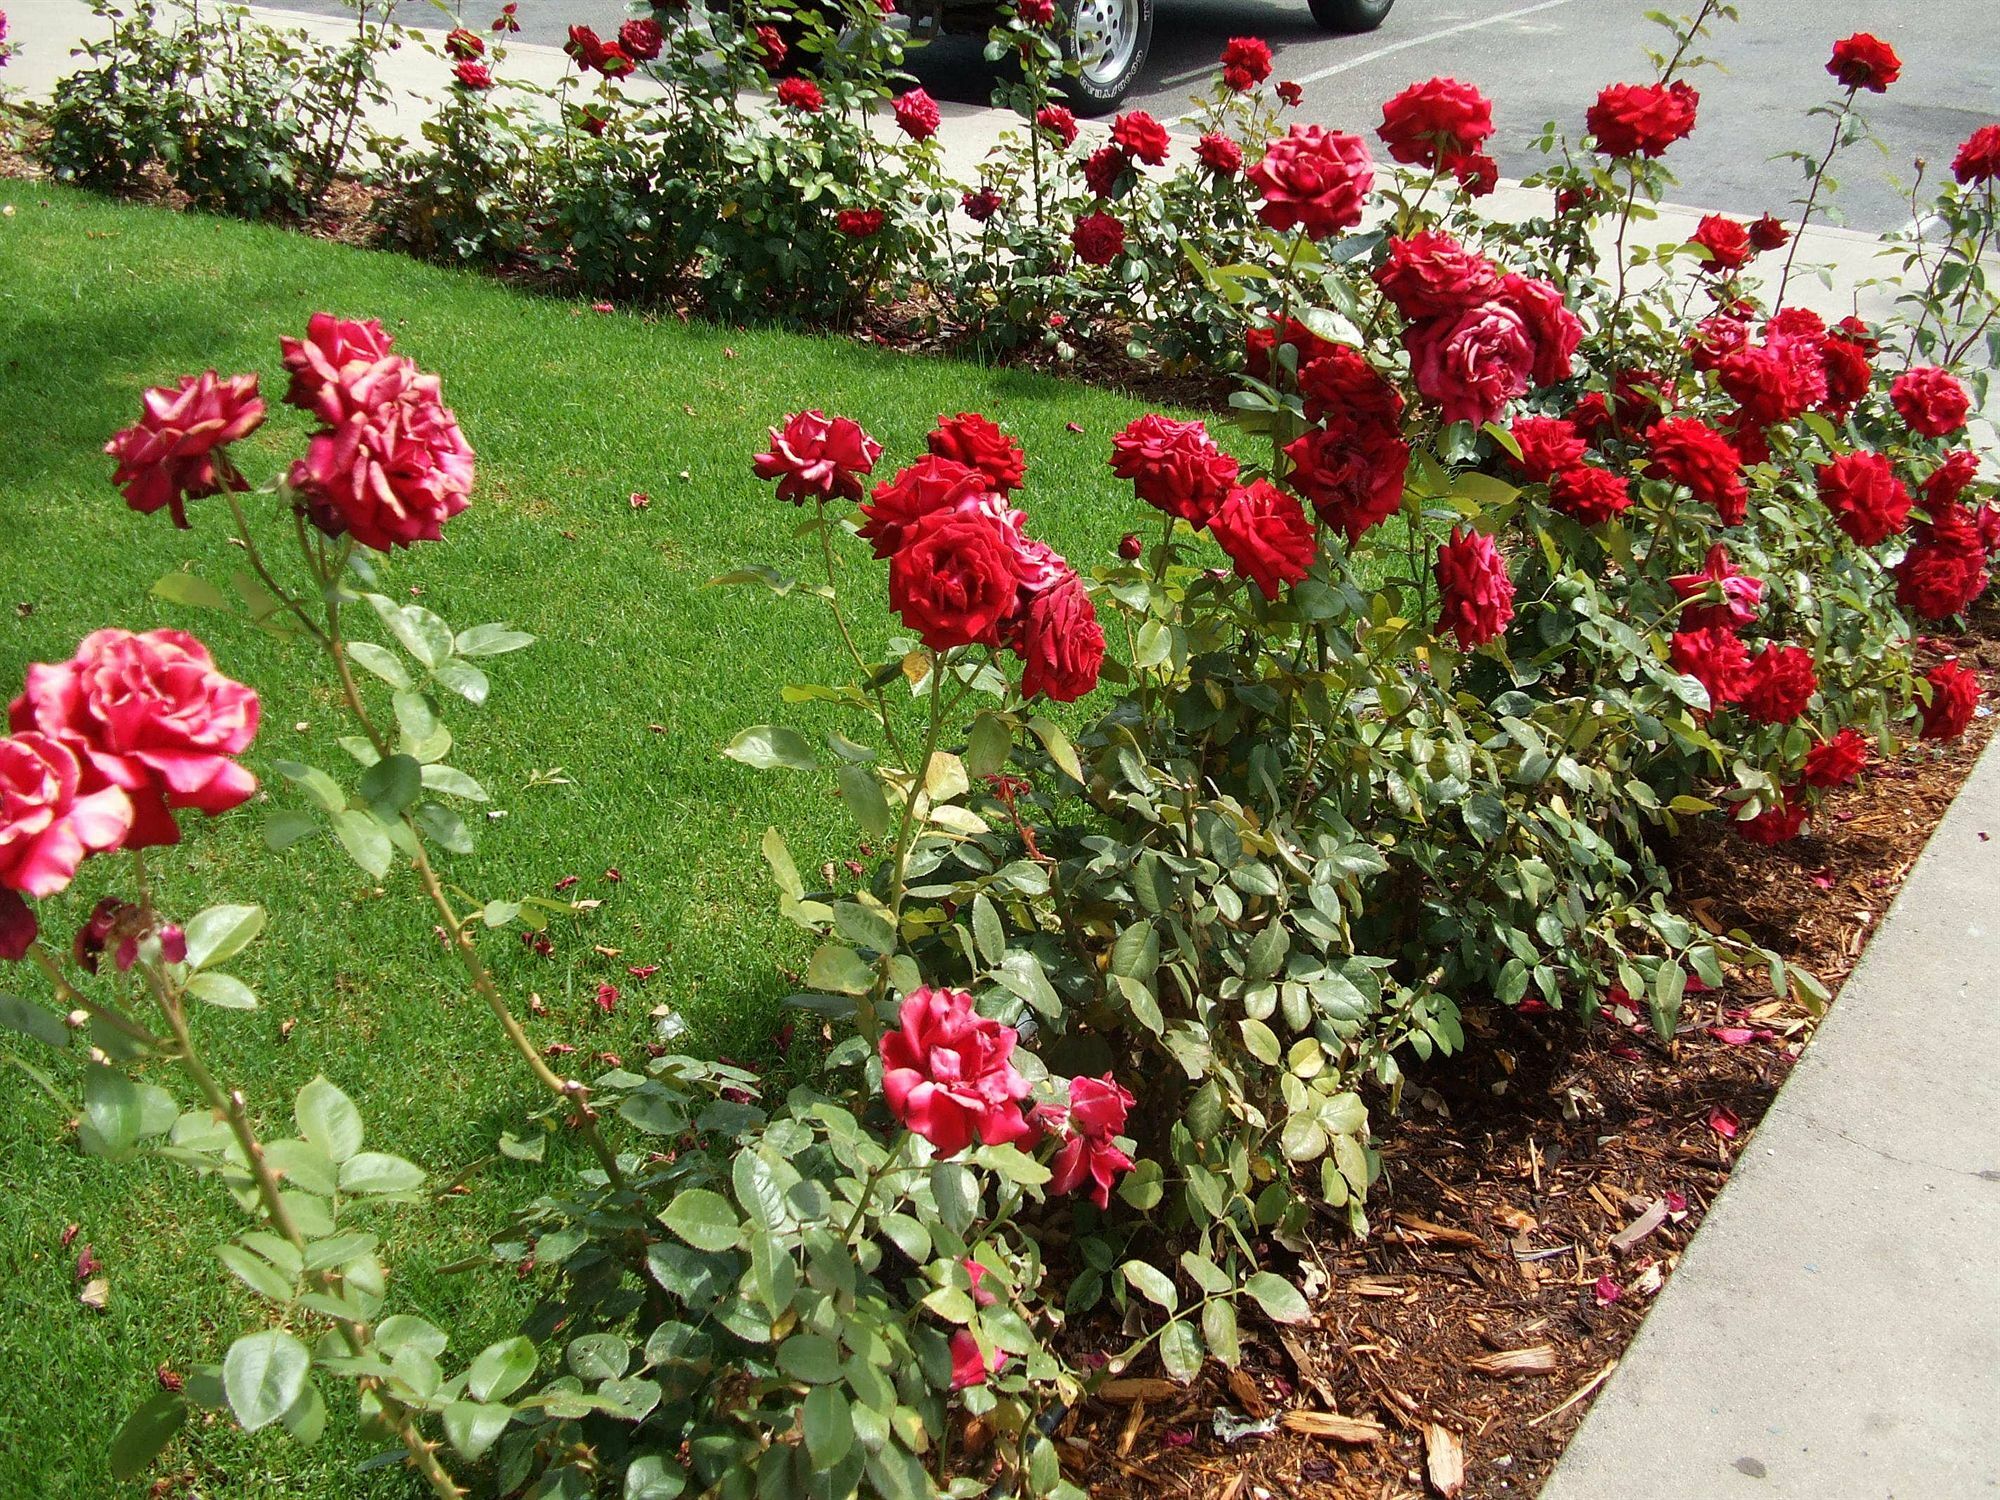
<point x="1692" y="453"/>
<point x="1978" y="158"/>
<point x="1099" y="239"/>
<point x="169" y="456"/>
<point x="956" y="579"/>
<point x="1954" y="698"/>
<point x="48" y="823"/>
<point x="1641" y="119"/>
<point x="1589" y="494"/>
<point x="1341" y="388"/>
<point x="1477" y="173"/>
<point x="1266" y="534"/>
<point x="1768" y="233"/>
<point x="1174" y="466"/>
<point x="1246" y="62"/>
<point x="1290" y="94"/>
<point x="463" y="46"/>
<point x="18" y="927"/>
<point x="1097" y="1111"/>
<point x="1740" y="593"/>
<point x="980" y="206"/>
<point x="328" y="363"/>
<point x="1777" y="824"/>
<point x="507" y="21"/>
<point x="150" y="715"/>
<point x="1353" y="477"/>
<point x="1548" y="445"/>
<point x="1868" y="501"/>
<point x="948" y="1074"/>
<point x="1058" y="122"/>
<point x="1931" y="400"/>
<point x="1944" y="569"/>
<point x="1140" y="136"/>
<point x="1778" y="684"/>
<point x="1059" y="640"/>
<point x="1474" y="363"/>
<point x="1837" y="761"/>
<point x="1715" y="658"/>
<point x="1475" y="595"/>
<point x="1219" y="154"/>
<point x="1313" y="179"/>
<point x="396" y="469"/>
<point x="859" y="223"/>
<point x="801" y="94"/>
<point x="1435" y="123"/>
<point x="1867" y="62"/>
<point x="1727" y="242"/>
<point x="1430" y="275"/>
<point x="816" y="457"/>
<point x="640" y="38"/>
<point x="917" y="114"/>
<point x="977" y="441"/>
<point x="473" y="75"/>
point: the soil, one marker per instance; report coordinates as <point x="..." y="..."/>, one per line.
<point x="1518" y="1235"/>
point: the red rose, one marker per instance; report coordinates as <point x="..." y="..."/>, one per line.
<point x="1866" y="62"/>
<point x="463" y="46"/>
<point x="1035" y="12"/>
<point x="801" y="94"/>
<point x="150" y="715"/>
<point x="1950" y="479"/>
<point x="1954" y="697"/>
<point x="1477" y="173"/>
<point x="1436" y="122"/>
<point x="1290" y="94"/>
<point x="1547" y="444"/>
<point x="1475" y="595"/>
<point x="1058" y="122"/>
<point x="1246" y="62"/>
<point x="593" y="120"/>
<point x="859" y="223"/>
<point x="1354" y="479"/>
<point x="931" y="483"/>
<point x="1930" y="400"/>
<point x="1978" y="158"/>
<point x="1852" y="330"/>
<point x="1342" y="389"/>
<point x="1430" y="275"/>
<point x="1097" y="1111"/>
<point x="957" y="577"/>
<point x="1219" y="154"/>
<point x="1174" y="466"/>
<point x="584" y="47"/>
<point x="18" y="927"/>
<point x="1716" y="659"/>
<point x="1776" y="380"/>
<point x="1641" y="119"/>
<point x="1103" y="168"/>
<point x="1837" y="761"/>
<point x="1140" y="136"/>
<point x="1313" y="179"/>
<point x="1591" y="415"/>
<point x="968" y="1365"/>
<point x="1714" y="339"/>
<point x="917" y="113"/>
<point x="1740" y="594"/>
<point x="47" y="823"/>
<point x="1778" y="824"/>
<point x="1868" y="501"/>
<point x="640" y="38"/>
<point x="1779" y="684"/>
<point x="1694" y="454"/>
<point x="1266" y="534"/>
<point x="1944" y="569"/>
<point x="1061" y="645"/>
<point x="1554" y="330"/>
<point x="980" y="206"/>
<point x="1472" y="364"/>
<point x="1259" y="343"/>
<point x="1727" y="242"/>
<point x="395" y="469"/>
<point x="328" y="361"/>
<point x="947" y="1073"/>
<point x="1848" y="375"/>
<point x="770" y="46"/>
<point x="1099" y="239"/>
<point x="170" y="455"/>
<point x="473" y="75"/>
<point x="973" y="440"/>
<point x="814" y="457"/>
<point x="1589" y="494"/>
<point x="1768" y="233"/>
<point x="1571" y="199"/>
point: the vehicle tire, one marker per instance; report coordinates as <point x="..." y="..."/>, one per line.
<point x="1351" y="15"/>
<point x="1108" y="40"/>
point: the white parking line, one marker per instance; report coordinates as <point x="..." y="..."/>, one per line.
<point x="1426" y="39"/>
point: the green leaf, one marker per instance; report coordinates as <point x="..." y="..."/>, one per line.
<point x="1152" y="1283"/>
<point x="141" y="1436"/>
<point x="864" y="926"/>
<point x="258" y="1274"/>
<point x="988" y="745"/>
<point x="365" y="839"/>
<point x="190" y="590"/>
<point x="263" y="1374"/>
<point x="220" y="933"/>
<point x="1180" y="1350"/>
<point x="422" y="634"/>
<point x="1261" y="1042"/>
<point x="380" y="660"/>
<point x="1218" y="1326"/>
<point x="315" y="783"/>
<point x="987" y="933"/>
<point x="862" y="793"/>
<point x="224" y="991"/>
<point x="391" y="785"/>
<point x="770" y="746"/>
<point x="1057" y="743"/>
<point x="598" y="1356"/>
<point x="829" y="1426"/>
<point x="379" y="1172"/>
<point x="31" y="1020"/>
<point x="473" y="1426"/>
<point x="328" y="1118"/>
<point x="705" y="1219"/>
<point x="840" y="970"/>
<point x="285" y="826"/>
<point x="452" y="782"/>
<point x="1282" y="1302"/>
<point x="444" y="827"/>
<point x="492" y="640"/>
<point x="653" y="1476"/>
<point x="301" y="1164"/>
<point x="464" y="679"/>
<point x="113" y="1111"/>
<point x="501" y="1369"/>
<point x="810" y="1357"/>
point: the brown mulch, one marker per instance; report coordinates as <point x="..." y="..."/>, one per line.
<point x="1486" y="1309"/>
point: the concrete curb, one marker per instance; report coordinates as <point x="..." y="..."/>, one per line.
<point x="1834" y="1328"/>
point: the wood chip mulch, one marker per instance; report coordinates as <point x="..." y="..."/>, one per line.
<point x="1536" y="1196"/>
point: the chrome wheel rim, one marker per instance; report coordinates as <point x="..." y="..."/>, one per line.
<point x="1106" y="34"/>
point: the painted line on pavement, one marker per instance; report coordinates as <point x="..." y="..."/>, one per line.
<point x="1421" y="41"/>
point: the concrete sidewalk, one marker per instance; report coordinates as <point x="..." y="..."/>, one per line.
<point x="1833" y="1332"/>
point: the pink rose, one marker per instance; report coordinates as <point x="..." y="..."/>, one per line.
<point x="395" y="468"/>
<point x="1313" y="179"/>
<point x="1473" y="364"/>
<point x="814" y="457"/>
<point x="169" y="456"/>
<point x="150" y="715"/>
<point x="334" y="352"/>
<point x="46" y="826"/>
<point x="1097" y="1110"/>
<point x="947" y="1075"/>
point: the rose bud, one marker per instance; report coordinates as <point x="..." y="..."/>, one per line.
<point x="1130" y="547"/>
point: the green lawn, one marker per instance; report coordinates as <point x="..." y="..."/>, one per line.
<point x="642" y="674"/>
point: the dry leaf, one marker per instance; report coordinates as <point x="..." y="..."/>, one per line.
<point x="1443" y="1233"/>
<point x="96" y="1294"/>
<point x="1338" y="1429"/>
<point x="1137" y="1388"/>
<point x="1244" y="1389"/>
<point x="1517" y="1219"/>
<point x="1536" y="1359"/>
<point x="1444" y="1460"/>
<point x="1654" y="1216"/>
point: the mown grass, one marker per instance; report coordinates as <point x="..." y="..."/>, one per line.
<point x="642" y="674"/>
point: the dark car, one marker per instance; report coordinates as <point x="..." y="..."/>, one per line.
<point x="1109" y="39"/>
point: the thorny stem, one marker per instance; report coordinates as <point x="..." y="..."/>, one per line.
<point x="263" y="571"/>
<point x="868" y="1188"/>
<point x="847" y="636"/>
<point x="77" y="1000"/>
<point x="1812" y="192"/>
